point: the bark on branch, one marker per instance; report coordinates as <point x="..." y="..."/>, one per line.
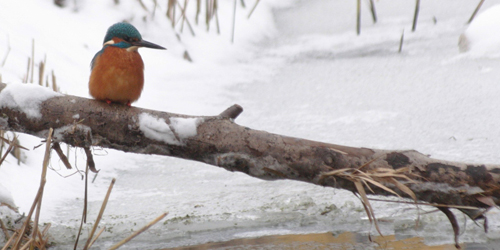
<point x="219" y="141"/>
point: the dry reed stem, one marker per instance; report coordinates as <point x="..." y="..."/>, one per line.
<point x="6" y="153"/>
<point x="358" y="17"/>
<point x="143" y="6"/>
<point x="2" y="133"/>
<point x="373" y="11"/>
<point x="103" y="207"/>
<point x="198" y="11"/>
<point x="84" y="213"/>
<point x="119" y="244"/>
<point x="32" y="60"/>
<point x="25" y="79"/>
<point x="41" y="69"/>
<point x="25" y="246"/>
<point x="97" y="236"/>
<point x="13" y="142"/>
<point x="475" y="12"/>
<point x="208" y="13"/>
<point x="43" y="180"/>
<point x="7" y="244"/>
<point x="7" y="53"/>
<point x="171" y="11"/>
<point x="187" y="21"/>
<point x="401" y="40"/>
<point x="4" y="229"/>
<point x="28" y="218"/>
<point x="216" y="14"/>
<point x="54" y="84"/>
<point x="183" y="14"/>
<point x="234" y="21"/>
<point x="253" y="8"/>
<point x="415" y="16"/>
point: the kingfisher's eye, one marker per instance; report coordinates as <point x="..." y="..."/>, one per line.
<point x="126" y="38"/>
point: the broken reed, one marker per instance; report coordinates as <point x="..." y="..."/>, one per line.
<point x="41" y="71"/>
<point x="176" y="12"/>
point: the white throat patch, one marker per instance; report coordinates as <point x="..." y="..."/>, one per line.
<point x="132" y="48"/>
<point x="108" y="43"/>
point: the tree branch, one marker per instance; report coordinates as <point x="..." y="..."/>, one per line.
<point x="218" y="141"/>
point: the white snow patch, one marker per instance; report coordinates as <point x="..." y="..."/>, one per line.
<point x="482" y="37"/>
<point x="185" y="127"/>
<point x="6" y="196"/>
<point x="76" y="116"/>
<point x="26" y="98"/>
<point x="157" y="129"/>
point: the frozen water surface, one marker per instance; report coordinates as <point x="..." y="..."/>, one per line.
<point x="308" y="76"/>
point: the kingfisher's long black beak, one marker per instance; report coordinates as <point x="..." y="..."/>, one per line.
<point x="146" y="44"/>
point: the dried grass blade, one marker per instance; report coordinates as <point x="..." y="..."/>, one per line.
<point x="380" y="185"/>
<point x="405" y="189"/>
<point x="336" y="172"/>
<point x="368" y="207"/>
<point x="366" y="184"/>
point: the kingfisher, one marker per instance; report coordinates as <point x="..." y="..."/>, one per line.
<point x="117" y="70"/>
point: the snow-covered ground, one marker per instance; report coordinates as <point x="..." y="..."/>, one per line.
<point x="298" y="69"/>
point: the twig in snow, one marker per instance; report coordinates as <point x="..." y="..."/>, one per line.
<point x="119" y="244"/>
<point x="61" y="155"/>
<point x="97" y="236"/>
<point x="90" y="160"/>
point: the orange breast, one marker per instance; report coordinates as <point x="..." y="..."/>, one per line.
<point x="117" y="75"/>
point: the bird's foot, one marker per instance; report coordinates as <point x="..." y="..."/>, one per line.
<point x="108" y="101"/>
<point x="129" y="104"/>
